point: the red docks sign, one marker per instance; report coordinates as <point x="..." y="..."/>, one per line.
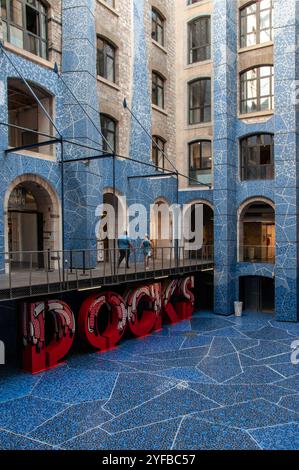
<point x="49" y="327"/>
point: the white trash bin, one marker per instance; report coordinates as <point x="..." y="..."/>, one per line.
<point x="238" y="308"/>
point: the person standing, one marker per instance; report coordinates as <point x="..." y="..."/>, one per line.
<point x="124" y="246"/>
<point x="146" y="246"/>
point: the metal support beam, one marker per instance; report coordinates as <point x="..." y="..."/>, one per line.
<point x="62" y="208"/>
<point x="31" y="146"/>
<point x="115" y="216"/>
<point x="156" y="175"/>
<point x="87" y="159"/>
<point x="26" y="129"/>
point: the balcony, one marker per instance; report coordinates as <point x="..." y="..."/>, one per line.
<point x="257" y="254"/>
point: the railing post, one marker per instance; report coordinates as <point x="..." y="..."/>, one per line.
<point x="49" y="259"/>
<point x="71" y="261"/>
<point x="9" y="274"/>
<point x="84" y="261"/>
<point x="110" y="260"/>
<point x="90" y="268"/>
<point x="135" y="263"/>
<point x="47" y="275"/>
<point x="126" y="260"/>
<point x="179" y="257"/>
<point x="104" y="259"/>
<point x="59" y="272"/>
<point x="30" y="274"/>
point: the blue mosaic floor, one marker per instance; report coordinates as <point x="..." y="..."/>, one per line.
<point x="208" y="383"/>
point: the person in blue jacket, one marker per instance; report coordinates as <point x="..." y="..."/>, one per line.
<point x="124" y="246"/>
<point x="146" y="246"/>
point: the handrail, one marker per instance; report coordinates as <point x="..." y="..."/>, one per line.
<point x="257" y="253"/>
<point x="29" y="273"/>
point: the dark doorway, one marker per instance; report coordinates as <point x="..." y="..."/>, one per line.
<point x="257" y="293"/>
<point x="204" y="291"/>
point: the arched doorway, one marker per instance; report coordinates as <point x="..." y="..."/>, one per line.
<point x="161" y="229"/>
<point x="32" y="213"/>
<point x="257" y="293"/>
<point x="207" y="229"/>
<point x="114" y="224"/>
<point x="257" y="232"/>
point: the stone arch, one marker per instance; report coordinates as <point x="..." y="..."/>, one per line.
<point x="208" y="225"/>
<point x="161" y="228"/>
<point x="256" y="230"/>
<point x="32" y="217"/>
<point x="117" y="217"/>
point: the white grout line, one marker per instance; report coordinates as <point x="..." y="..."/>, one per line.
<point x="273" y="425"/>
<point x="51" y="399"/>
<point x="24" y="436"/>
<point x="48" y="420"/>
<point x="148" y="425"/>
<point x="112" y="391"/>
<point x="251" y="437"/>
<point x="269" y="367"/>
<point x="177" y="433"/>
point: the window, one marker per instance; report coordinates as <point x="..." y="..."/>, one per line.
<point x="108" y="127"/>
<point x="200" y="161"/>
<point x="158" y="90"/>
<point x="106" y="59"/>
<point x="157" y="27"/>
<point x="257" y="157"/>
<point x="24" y="111"/>
<point x="256" y="23"/>
<point x="200" y="39"/>
<point x="200" y="101"/>
<point x="257" y="90"/>
<point x="25" y="25"/>
<point x="157" y="154"/>
<point x="257" y="233"/>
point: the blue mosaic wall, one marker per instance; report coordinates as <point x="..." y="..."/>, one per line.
<point x="286" y="160"/>
<point x="83" y="188"/>
<point x="229" y="192"/>
<point x="15" y="164"/>
<point x="225" y="149"/>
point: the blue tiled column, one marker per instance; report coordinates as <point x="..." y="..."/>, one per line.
<point x="140" y="143"/>
<point x="82" y="181"/>
<point x="225" y="150"/>
<point x="286" y="159"/>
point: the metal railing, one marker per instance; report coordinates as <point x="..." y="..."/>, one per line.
<point x="30" y="273"/>
<point x="257" y="253"/>
<point x="257" y="172"/>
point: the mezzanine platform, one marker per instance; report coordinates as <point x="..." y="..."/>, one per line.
<point x="31" y="274"/>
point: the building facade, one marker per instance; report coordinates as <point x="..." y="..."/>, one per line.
<point x="212" y="81"/>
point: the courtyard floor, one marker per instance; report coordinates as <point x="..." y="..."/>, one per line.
<point x="209" y="383"/>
